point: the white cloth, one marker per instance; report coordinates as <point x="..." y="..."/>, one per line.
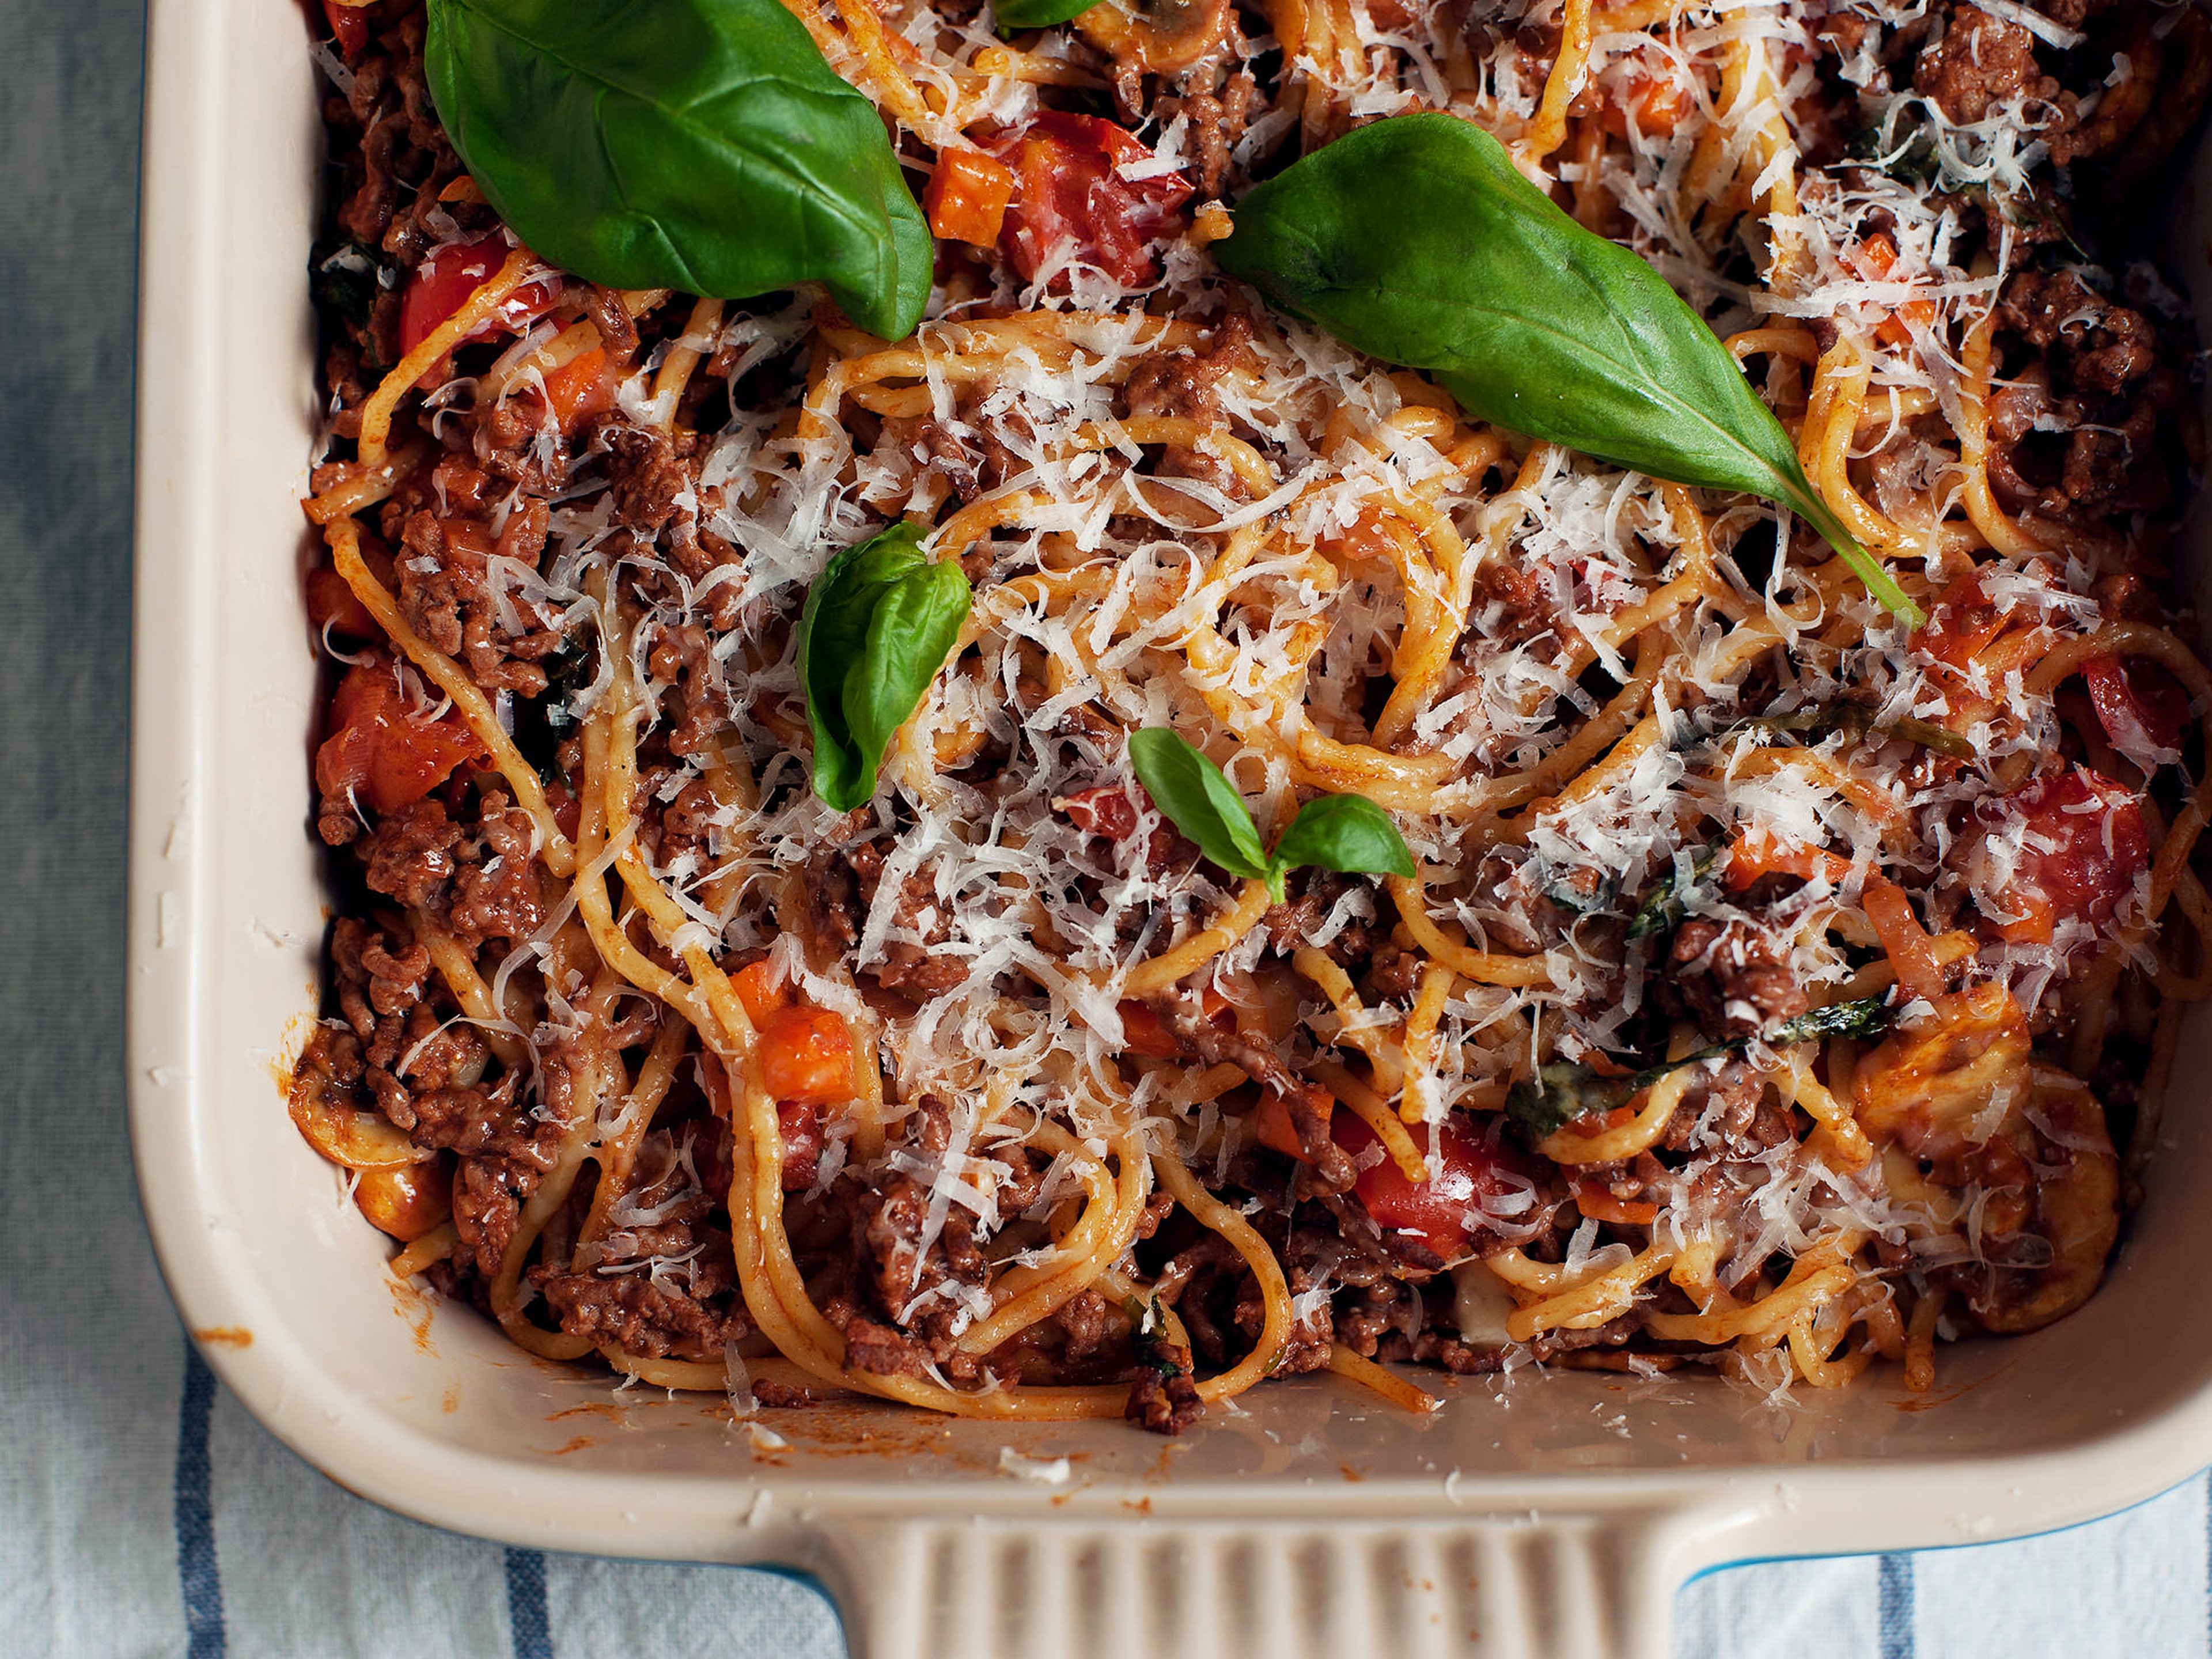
<point x="141" y="1511"/>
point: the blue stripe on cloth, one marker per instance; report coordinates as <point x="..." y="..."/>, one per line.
<point x="1894" y="1629"/>
<point x="198" y="1576"/>
<point x="526" y="1604"/>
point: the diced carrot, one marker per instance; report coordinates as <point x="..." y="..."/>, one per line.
<point x="1144" y="1032"/>
<point x="967" y="197"/>
<point x="579" y="389"/>
<point x="1656" y="103"/>
<point x="1875" y="258"/>
<point x="806" y="1057"/>
<point x="1598" y="1205"/>
<point x="1906" y="944"/>
<point x="1758" y="855"/>
<point x="754" y="984"/>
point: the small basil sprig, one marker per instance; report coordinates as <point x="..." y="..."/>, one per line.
<point x="1417" y="240"/>
<point x="1667" y="902"/>
<point x="1562" y="1091"/>
<point x="1037" y="13"/>
<point x="1347" y="833"/>
<point x="695" y="144"/>
<point x="1852" y="718"/>
<point x="878" y="625"/>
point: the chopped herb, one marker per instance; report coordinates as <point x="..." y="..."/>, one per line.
<point x="1666" y="902"/>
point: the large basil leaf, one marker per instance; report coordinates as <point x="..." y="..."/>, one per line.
<point x="695" y="144"/>
<point x="879" y="624"/>
<point x="1013" y="14"/>
<point x="1415" y="240"/>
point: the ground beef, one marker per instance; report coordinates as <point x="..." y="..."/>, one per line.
<point x="1295" y="924"/>
<point x="1165" y="1402"/>
<point x="1731" y="978"/>
<point x="1980" y="62"/>
<point x="1188" y="388"/>
<point x="650" y="1318"/>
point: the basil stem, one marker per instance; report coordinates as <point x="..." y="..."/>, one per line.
<point x="1850" y="717"/>
<point x="695" y="144"/>
<point x="1013" y="14"/>
<point x="879" y="624"/>
<point x="1347" y="833"/>
<point x="1562" y="1091"/>
<point x="1415" y="240"/>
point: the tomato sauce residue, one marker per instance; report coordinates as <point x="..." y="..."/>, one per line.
<point x="224" y="1336"/>
<point x="575" y="1445"/>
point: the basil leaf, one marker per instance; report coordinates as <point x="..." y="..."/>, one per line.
<point x="1868" y="1017"/>
<point x="877" y="626"/>
<point x="1198" y="800"/>
<point x="1415" y="240"/>
<point x="1562" y="1091"/>
<point x="695" y="144"/>
<point x="1037" y="13"/>
<point x="1349" y="833"/>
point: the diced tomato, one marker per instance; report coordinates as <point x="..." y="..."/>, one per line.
<point x="1107" y="810"/>
<point x="967" y="197"/>
<point x="1071" y="200"/>
<point x="381" y="749"/>
<point x="1436" y="1211"/>
<point x="806" y="1057"/>
<point x="2083" y="843"/>
<point x="1112" y="813"/>
<point x="2139" y="704"/>
<point x="442" y="283"/>
<point x="801" y="1125"/>
<point x="580" y="388"/>
<point x="348" y="26"/>
<point x="332" y="605"/>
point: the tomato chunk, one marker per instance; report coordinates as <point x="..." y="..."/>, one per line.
<point x="967" y="198"/>
<point x="2076" y="844"/>
<point x="442" y="283"/>
<point x="1963" y="621"/>
<point x="1435" y="1210"/>
<point x="806" y="1057"/>
<point x="2140" y="706"/>
<point x="348" y="26"/>
<point x="331" y="605"/>
<point x="381" y="749"/>
<point x="1073" y="204"/>
<point x="1654" y="102"/>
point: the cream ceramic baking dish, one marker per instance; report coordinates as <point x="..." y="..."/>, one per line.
<point x="1554" y="1516"/>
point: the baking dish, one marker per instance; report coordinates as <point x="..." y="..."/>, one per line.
<point x="1551" y="1515"/>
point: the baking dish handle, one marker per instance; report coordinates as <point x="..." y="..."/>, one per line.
<point x="1527" y="1587"/>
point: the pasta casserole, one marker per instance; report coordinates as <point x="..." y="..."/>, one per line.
<point x="1007" y="816"/>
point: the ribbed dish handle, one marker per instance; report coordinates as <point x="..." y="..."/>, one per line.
<point x="1550" y="1587"/>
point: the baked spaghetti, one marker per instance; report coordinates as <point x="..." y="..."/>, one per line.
<point x="1779" y="986"/>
